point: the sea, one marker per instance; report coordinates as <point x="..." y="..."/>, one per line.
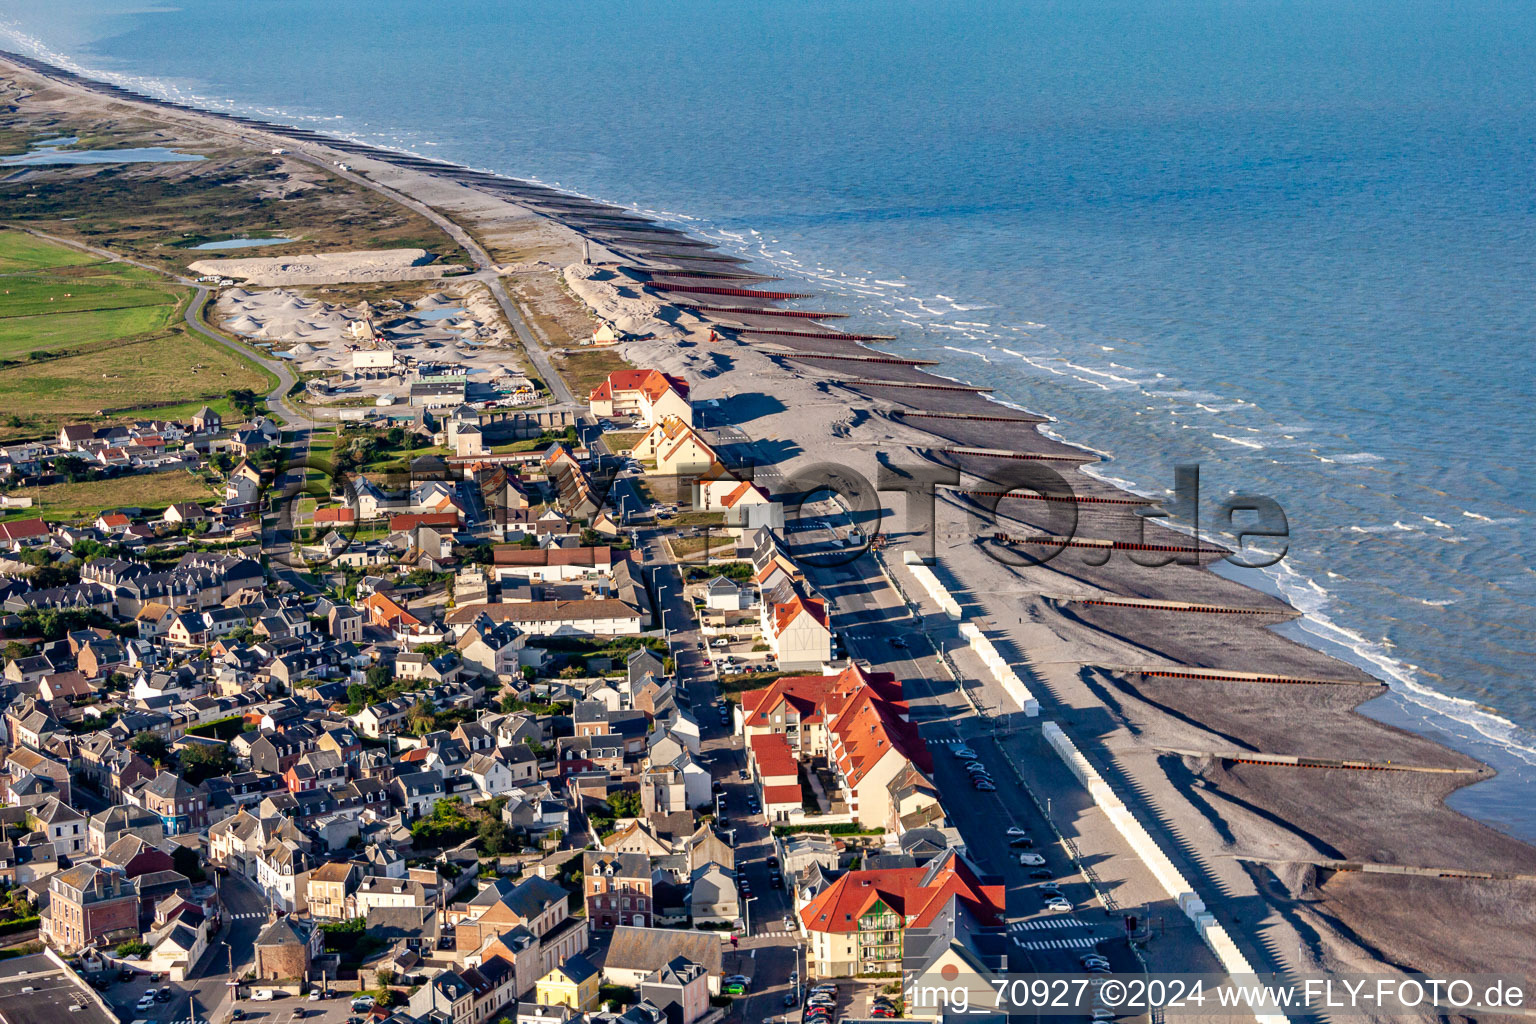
<point x="1291" y="242"/>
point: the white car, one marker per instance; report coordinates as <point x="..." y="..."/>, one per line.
<point x="147" y="1003"/>
<point x="1016" y="833"/>
<point x="963" y="752"/>
<point x="1058" y="904"/>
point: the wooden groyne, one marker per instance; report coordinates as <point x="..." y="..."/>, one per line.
<point x="690" y="288"/>
<point x="1083" y="499"/>
<point x="794" y="314"/>
<point x="888" y="360"/>
<point x="1148" y="604"/>
<point x="774" y="332"/>
<point x="995" y="453"/>
<point x="915" y="386"/>
<point x="1296" y="761"/>
<point x="1231" y="676"/>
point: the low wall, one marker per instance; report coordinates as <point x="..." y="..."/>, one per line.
<point x="1001" y="670"/>
<point x="996" y="664"/>
<point x="1163" y="869"/>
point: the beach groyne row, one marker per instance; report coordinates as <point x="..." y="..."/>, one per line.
<point x="1167" y="874"/>
<point x="1006" y="677"/>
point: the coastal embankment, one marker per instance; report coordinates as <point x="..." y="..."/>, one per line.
<point x="1163" y="672"/>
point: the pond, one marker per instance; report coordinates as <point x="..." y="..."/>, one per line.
<point x="243" y="243"/>
<point x="52" y="153"/>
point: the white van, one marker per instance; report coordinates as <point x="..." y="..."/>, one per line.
<point x="263" y="995"/>
<point x="1034" y="860"/>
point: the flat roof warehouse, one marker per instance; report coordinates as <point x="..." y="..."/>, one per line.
<point x="41" y="989"/>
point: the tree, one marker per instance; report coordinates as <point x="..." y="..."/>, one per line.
<point x="379" y="676"/>
<point x="423" y="716"/>
<point x="149" y="745"/>
<point x="206" y="761"/>
<point x="493" y="836"/>
<point x="15" y="650"/>
<point x="625" y="804"/>
<point x="185" y="860"/>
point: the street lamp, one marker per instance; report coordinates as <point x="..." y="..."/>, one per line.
<point x="746" y="915"/>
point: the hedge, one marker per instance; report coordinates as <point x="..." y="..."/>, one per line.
<point x="20" y="924"/>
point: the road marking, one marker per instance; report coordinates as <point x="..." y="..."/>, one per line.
<point x="1076" y="942"/>
<point x="1048" y="922"/>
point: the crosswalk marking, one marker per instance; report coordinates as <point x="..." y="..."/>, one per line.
<point x="253" y="915"/>
<point x="1047" y="922"/>
<point x="1075" y="942"/>
<point x="771" y="935"/>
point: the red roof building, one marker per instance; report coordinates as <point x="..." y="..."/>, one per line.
<point x="858" y="923"/>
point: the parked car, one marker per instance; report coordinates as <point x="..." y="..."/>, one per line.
<point x="360" y="1004"/>
<point x="164" y="995"/>
<point x="985" y="787"/>
<point x="1033" y="859"/>
<point x="963" y="752"/>
<point x="265" y="995"/>
<point x="1042" y="873"/>
<point x="1024" y="843"/>
<point x="1059" y="905"/>
<point x="1017" y="833"/>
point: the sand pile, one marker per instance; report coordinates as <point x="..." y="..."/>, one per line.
<point x="327" y="268"/>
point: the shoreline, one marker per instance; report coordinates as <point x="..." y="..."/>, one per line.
<point x="1048" y="630"/>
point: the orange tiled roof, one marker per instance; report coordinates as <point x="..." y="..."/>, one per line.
<point x="838" y="907"/>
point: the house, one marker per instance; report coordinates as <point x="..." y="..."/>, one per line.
<point x="675" y="448"/>
<point x="382" y="611"/>
<point x="591" y="617"/>
<point x="244" y="484"/>
<point x="284" y="950"/>
<point x="726" y="595"/>
<point x="185" y="512"/>
<point x="112" y="824"/>
<point x="648" y="396"/>
<point x="680" y="989"/>
<point x="61" y="825"/>
<point x="23" y="533"/>
<point x="448" y="997"/>
<point x="345" y="624"/>
<point x="330" y="886"/>
<point x="744" y="505"/>
<point x="634" y="954"/>
<point x="857" y="925"/>
<point x="617" y="889"/>
<point x="182" y="807"/>
<point x="88" y="905"/>
<point x="416" y="792"/>
<point x="551" y="565"/>
<point x="712" y="897"/>
<point x="206" y="421"/>
<point x="573" y="983"/>
<point x="777" y="774"/>
<point x="796" y="628"/>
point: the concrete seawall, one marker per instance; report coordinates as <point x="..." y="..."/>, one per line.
<point x="1163" y="869"/>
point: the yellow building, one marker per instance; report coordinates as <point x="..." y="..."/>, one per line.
<point x="574" y="984"/>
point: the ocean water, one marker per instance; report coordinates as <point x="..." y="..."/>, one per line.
<point x="1291" y="242"/>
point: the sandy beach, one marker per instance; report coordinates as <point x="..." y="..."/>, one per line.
<point x="1103" y="644"/>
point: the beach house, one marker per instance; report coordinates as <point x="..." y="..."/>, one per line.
<point x="648" y="396"/>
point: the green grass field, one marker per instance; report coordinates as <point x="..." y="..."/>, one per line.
<point x="21" y="252"/>
<point x="88" y="499"/>
<point x="109" y="342"/>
